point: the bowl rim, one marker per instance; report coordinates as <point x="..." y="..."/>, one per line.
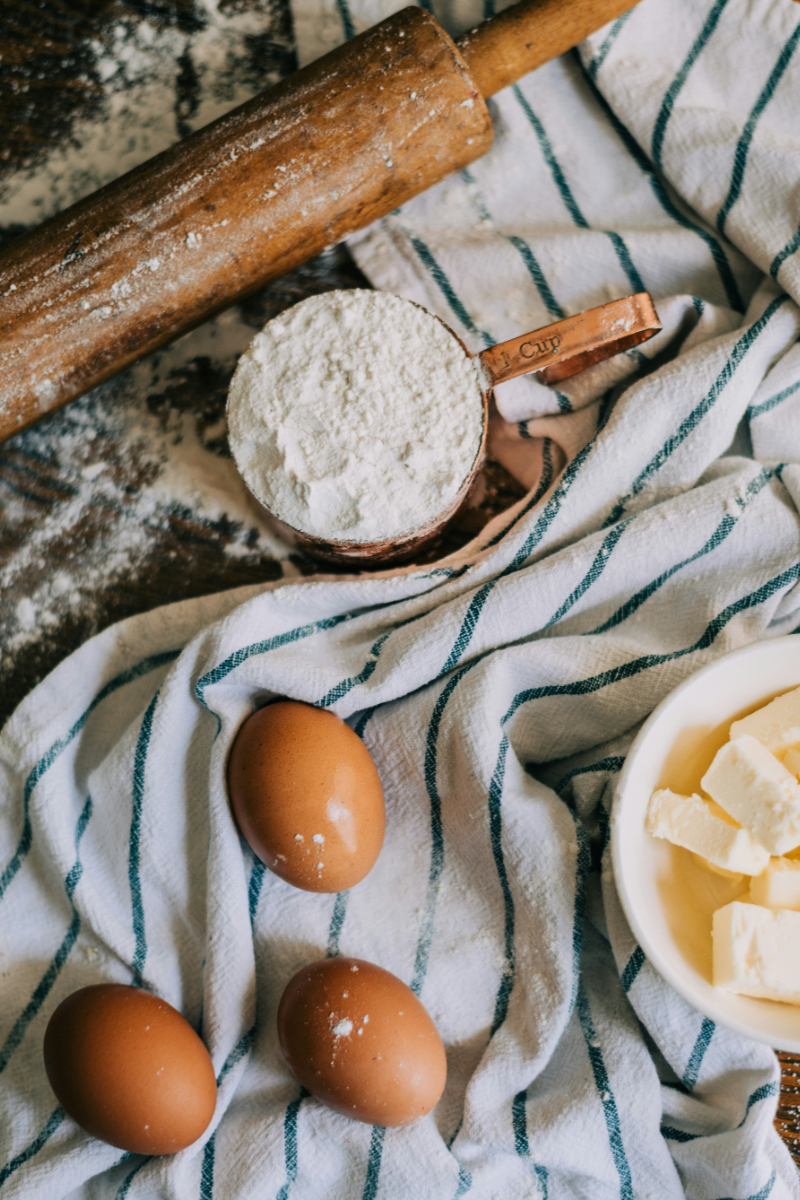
<point x="651" y="949"/>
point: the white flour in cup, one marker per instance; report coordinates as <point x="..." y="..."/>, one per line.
<point x="356" y="416"/>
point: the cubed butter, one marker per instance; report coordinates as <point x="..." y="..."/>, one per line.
<point x="776" y="725"/>
<point x="750" y="783"/>
<point x="702" y="827"/>
<point x="757" y="951"/>
<point x="779" y="885"/>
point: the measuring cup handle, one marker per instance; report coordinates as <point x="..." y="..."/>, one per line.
<point x="568" y="346"/>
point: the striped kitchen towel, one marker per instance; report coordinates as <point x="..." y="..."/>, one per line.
<point x="498" y="691"/>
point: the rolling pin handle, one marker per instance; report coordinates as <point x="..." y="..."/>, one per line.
<point x="502" y="50"/>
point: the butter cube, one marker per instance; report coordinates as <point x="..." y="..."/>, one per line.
<point x="779" y="885"/>
<point x="702" y="827"/>
<point x="757" y="951"/>
<point x="757" y="791"/>
<point x="776" y="725"/>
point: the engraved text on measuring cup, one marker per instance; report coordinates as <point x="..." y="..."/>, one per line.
<point x="537" y="349"/>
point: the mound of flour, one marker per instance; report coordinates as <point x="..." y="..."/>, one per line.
<point x="355" y="415"/>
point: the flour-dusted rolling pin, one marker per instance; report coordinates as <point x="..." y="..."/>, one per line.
<point x="266" y="187"/>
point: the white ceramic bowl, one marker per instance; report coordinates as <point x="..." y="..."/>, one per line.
<point x="667" y="897"/>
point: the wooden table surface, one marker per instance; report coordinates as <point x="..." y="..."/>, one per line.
<point x="122" y="501"/>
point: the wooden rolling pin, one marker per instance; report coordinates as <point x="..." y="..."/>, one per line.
<point x="259" y="191"/>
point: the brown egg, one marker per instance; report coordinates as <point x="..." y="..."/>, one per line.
<point x="130" y="1069"/>
<point x="361" y="1042"/>
<point x="307" y="797"/>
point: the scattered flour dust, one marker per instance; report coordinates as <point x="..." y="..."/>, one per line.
<point x="355" y="415"/>
<point x="136" y="65"/>
<point x="127" y="466"/>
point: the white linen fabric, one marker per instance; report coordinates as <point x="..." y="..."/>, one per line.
<point x="497" y="691"/>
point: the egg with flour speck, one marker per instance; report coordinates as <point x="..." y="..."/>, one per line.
<point x="306" y="796"/>
<point x="130" y="1069"/>
<point x="361" y="1042"/>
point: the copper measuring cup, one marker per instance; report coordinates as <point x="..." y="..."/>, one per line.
<point x="554" y="352"/>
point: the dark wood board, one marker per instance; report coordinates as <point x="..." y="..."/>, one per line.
<point x="98" y="516"/>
